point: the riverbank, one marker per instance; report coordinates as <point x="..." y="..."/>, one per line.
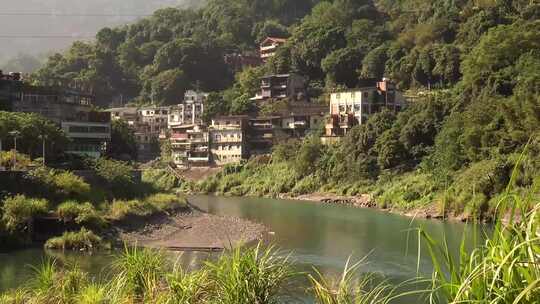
<point x="367" y="201"/>
<point x="190" y="230"/>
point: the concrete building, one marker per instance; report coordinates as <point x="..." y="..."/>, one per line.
<point x="228" y="139"/>
<point x="90" y="134"/>
<point x="301" y="118"/>
<point x="263" y="133"/>
<point x="127" y="114"/>
<point x="89" y="131"/>
<point x="190" y="111"/>
<point x="353" y="107"/>
<point x="269" y="47"/>
<point x="190" y="146"/>
<point x="282" y="86"/>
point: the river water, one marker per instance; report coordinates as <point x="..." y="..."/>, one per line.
<point x="322" y="236"/>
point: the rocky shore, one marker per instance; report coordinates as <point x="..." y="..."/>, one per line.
<point x="367" y="201"/>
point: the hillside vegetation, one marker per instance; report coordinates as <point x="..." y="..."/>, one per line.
<point x="472" y="65"/>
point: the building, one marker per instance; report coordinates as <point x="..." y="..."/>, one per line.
<point x="90" y="134"/>
<point x="152" y="122"/>
<point x="302" y="118"/>
<point x="190" y="111"/>
<point x="127" y="114"/>
<point x="10" y="85"/>
<point x="282" y="86"/>
<point x="263" y="133"/>
<point x="199" y="147"/>
<point x="354" y="107"/>
<point x="228" y="139"/>
<point x="269" y="47"/>
<point x="89" y="131"/>
<point x="190" y="146"/>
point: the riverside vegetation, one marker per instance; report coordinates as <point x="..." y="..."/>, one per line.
<point x="470" y="67"/>
<point x="85" y="209"/>
<point x="506" y="269"/>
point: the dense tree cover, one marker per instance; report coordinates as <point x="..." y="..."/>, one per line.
<point x="123" y="144"/>
<point x="472" y="64"/>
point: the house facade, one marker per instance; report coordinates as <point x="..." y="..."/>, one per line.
<point x="354" y="107"/>
<point x="190" y="111"/>
<point x="280" y="86"/>
<point x="269" y="47"/>
<point x="228" y="139"/>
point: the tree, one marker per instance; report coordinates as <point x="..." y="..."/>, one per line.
<point x="123" y="143"/>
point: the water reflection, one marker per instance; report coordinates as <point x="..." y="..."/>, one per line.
<point x="322" y="236"/>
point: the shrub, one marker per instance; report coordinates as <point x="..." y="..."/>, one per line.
<point x="83" y="214"/>
<point x="71" y="185"/>
<point x="6" y="159"/>
<point x="20" y="210"/>
<point x="161" y="179"/>
<point x="120" y="209"/>
<point x="81" y="240"/>
<point x="166" y="202"/>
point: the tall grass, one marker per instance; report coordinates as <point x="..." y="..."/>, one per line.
<point x="506" y="268"/>
<point x="252" y="276"/>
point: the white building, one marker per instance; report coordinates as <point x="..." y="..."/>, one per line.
<point x="189" y="112"/>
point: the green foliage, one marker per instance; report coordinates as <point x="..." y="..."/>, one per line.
<point x="117" y="175"/>
<point x="7" y="158"/>
<point x="491" y="273"/>
<point x="80" y="213"/>
<point x="81" y="240"/>
<point x="255" y="276"/>
<point x="18" y="211"/>
<point x="123" y="144"/>
<point x="161" y="179"/>
<point x="30" y="126"/>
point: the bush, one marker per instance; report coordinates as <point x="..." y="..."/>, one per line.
<point x="161" y="179"/>
<point x="81" y="240"/>
<point x="6" y="159"/>
<point x="166" y="202"/>
<point x="19" y="210"/>
<point x="82" y="214"/>
<point x="71" y="185"/>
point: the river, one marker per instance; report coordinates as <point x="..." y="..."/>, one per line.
<point x="322" y="236"/>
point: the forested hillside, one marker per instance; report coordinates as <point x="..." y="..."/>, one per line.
<point x="474" y="64"/>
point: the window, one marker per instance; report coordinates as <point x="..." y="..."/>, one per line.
<point x="338" y="95"/>
<point x="366" y="94"/>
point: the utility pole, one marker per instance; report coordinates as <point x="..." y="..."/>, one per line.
<point x="15" y="135"/>
<point x="43" y="137"/>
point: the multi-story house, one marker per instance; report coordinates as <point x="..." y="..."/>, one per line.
<point x="190" y="146"/>
<point x="263" y="133"/>
<point x="269" y="47"/>
<point x="89" y="131"/>
<point x="353" y="107"/>
<point x="199" y="147"/>
<point x="228" y="139"/>
<point x="190" y="111"/>
<point x="303" y="118"/>
<point x="282" y="86"/>
<point x="151" y="123"/>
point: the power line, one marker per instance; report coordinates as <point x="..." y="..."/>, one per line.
<point x="52" y="14"/>
<point x="45" y="37"/>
